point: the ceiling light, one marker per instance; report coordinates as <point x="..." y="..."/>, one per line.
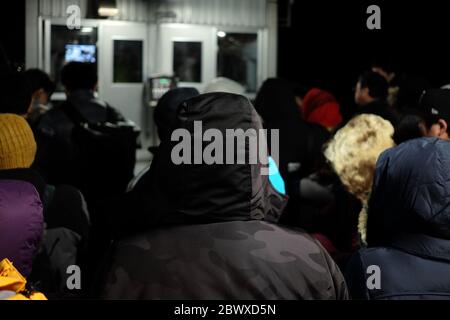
<point x="107" y="8"/>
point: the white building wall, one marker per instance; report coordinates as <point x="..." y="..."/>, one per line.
<point x="242" y="13"/>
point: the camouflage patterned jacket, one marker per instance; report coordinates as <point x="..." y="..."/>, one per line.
<point x="211" y="231"/>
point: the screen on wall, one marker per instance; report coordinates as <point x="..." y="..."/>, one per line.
<point x="80" y="53"/>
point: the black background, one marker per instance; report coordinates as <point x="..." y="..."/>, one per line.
<point x="327" y="43"/>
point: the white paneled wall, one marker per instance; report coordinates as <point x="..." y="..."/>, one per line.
<point x="57" y="8"/>
<point x="239" y="13"/>
<point x="236" y="13"/>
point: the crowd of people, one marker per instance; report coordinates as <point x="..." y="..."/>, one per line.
<point x="343" y="195"/>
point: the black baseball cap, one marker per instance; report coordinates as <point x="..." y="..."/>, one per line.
<point x="435" y="105"/>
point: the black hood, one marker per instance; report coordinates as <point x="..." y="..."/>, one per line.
<point x="166" y="109"/>
<point x="192" y="193"/>
<point x="411" y="192"/>
<point x="276" y="104"/>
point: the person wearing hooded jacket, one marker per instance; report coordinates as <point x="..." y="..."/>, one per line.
<point x="136" y="199"/>
<point x="408" y="227"/>
<point x="211" y="234"/>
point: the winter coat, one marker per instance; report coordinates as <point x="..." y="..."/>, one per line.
<point x="329" y="210"/>
<point x="383" y="109"/>
<point x="408" y="228"/>
<point x="64" y="241"/>
<point x="300" y="142"/>
<point x="213" y="235"/>
<point x="56" y="154"/>
<point x="21" y="223"/>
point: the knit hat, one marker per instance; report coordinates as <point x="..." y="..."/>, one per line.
<point x="222" y="84"/>
<point x="435" y="104"/>
<point x="321" y="107"/>
<point x="17" y="144"/>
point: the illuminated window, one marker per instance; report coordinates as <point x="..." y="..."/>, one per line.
<point x="237" y="58"/>
<point x="187" y="61"/>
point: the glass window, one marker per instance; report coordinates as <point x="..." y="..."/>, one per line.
<point x="237" y="58"/>
<point x="128" y="56"/>
<point x="187" y="61"/>
<point x="71" y="45"/>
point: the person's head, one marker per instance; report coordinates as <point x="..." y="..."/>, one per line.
<point x="371" y="86"/>
<point x="15" y="94"/>
<point x="300" y="92"/>
<point x="182" y="172"/>
<point x="275" y="102"/>
<point x="321" y="107"/>
<point x="409" y="93"/>
<point x="222" y="84"/>
<point x="410" y="127"/>
<point x="79" y="76"/>
<point x="384" y="68"/>
<point x="353" y="153"/>
<point x="42" y="87"/>
<point x="165" y="114"/>
<point x="17" y="143"/>
<point x="435" y="109"/>
<point x="354" y="150"/>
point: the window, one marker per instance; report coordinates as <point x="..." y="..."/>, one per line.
<point x="237" y="58"/>
<point x="128" y="61"/>
<point x="71" y="45"/>
<point x="187" y="61"/>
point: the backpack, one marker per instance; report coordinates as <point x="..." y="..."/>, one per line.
<point x="60" y="248"/>
<point x="104" y="154"/>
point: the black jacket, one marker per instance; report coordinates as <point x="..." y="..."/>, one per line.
<point x="55" y="158"/>
<point x="301" y="142"/>
<point x="208" y="233"/>
<point x="408" y="230"/>
<point x="383" y="109"/>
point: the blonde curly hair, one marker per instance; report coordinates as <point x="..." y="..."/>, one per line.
<point x="353" y="153"/>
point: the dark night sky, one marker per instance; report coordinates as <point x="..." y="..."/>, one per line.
<point x="333" y="45"/>
<point x="12" y="29"/>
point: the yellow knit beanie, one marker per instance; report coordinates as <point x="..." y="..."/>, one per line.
<point x="17" y="144"/>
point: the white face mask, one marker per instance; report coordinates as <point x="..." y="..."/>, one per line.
<point x="39" y="106"/>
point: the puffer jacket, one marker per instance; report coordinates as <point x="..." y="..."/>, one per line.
<point x="64" y="241"/>
<point x="21" y="223"/>
<point x="408" y="230"/>
<point x="211" y="233"/>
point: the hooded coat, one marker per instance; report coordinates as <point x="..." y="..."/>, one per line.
<point x="408" y="230"/>
<point x="211" y="236"/>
